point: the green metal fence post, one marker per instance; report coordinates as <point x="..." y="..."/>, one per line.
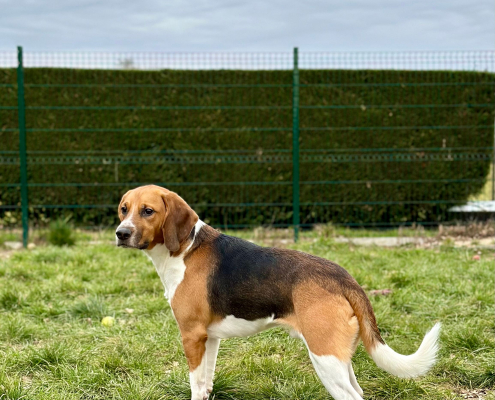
<point x="295" y="146"/>
<point x="21" y="110"/>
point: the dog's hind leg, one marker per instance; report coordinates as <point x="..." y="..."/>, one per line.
<point x="352" y="376"/>
<point x="334" y="374"/>
<point x="330" y="330"/>
<point x="354" y="381"/>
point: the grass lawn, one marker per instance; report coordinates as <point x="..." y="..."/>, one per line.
<point x="53" y="346"/>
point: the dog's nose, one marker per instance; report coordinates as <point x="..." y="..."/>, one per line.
<point x="123" y="233"/>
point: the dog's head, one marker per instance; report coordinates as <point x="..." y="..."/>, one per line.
<point x="150" y="215"/>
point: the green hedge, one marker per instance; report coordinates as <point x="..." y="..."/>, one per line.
<point x="376" y="146"/>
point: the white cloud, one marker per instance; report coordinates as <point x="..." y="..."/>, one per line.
<point x="222" y="25"/>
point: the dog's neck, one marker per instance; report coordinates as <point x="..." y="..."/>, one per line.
<point x="170" y="268"/>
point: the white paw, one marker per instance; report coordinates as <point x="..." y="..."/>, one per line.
<point x="202" y="395"/>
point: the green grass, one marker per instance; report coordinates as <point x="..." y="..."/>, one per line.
<point x="10" y="236"/>
<point x="331" y="231"/>
<point x="60" y="233"/>
<point x="53" y="346"/>
<point x="42" y="236"/>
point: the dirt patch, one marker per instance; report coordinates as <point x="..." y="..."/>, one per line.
<point x="473" y="230"/>
<point x="473" y="393"/>
<point x="485" y="243"/>
<point x="382" y="241"/>
<point x="6" y="253"/>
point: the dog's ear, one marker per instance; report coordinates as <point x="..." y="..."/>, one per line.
<point x="178" y="222"/>
<point x="121" y="217"/>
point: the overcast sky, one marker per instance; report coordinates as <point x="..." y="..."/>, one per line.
<point x="233" y="25"/>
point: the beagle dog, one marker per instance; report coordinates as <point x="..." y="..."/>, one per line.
<point x="220" y="286"/>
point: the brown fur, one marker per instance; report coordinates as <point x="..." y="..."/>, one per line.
<point x="326" y="321"/>
<point x="178" y="222"/>
<point x="190" y="304"/>
<point x="171" y="222"/>
<point x="369" y="332"/>
<point x="341" y="296"/>
<point x="194" y="342"/>
<point x="353" y="295"/>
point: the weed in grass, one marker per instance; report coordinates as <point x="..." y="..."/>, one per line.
<point x="11" y="388"/>
<point x="61" y="233"/>
<point x="464" y="376"/>
<point x="400" y="279"/>
<point x="91" y="307"/>
<point x="395" y="388"/>
<point x="16" y="329"/>
<point x="470" y="340"/>
<point x="70" y="286"/>
<point x="402" y="305"/>
<point x="11" y="299"/>
<point x="132" y="390"/>
<point x="155" y="306"/>
<point x="116" y="365"/>
<point x="44" y="256"/>
<point x="20" y="275"/>
<point x="486" y="379"/>
<point x="48" y="356"/>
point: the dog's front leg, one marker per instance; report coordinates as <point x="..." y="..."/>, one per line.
<point x="194" y="342"/>
<point x="212" y="346"/>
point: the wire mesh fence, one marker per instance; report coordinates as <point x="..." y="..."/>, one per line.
<point x="380" y="139"/>
<point x="10" y="199"/>
<point x="394" y="138"/>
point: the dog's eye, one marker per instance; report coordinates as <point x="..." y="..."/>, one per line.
<point x="148" y="211"/>
<point x="124" y="210"/>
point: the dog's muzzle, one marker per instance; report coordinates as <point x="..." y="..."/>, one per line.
<point x="123" y="234"/>
<point x="128" y="238"/>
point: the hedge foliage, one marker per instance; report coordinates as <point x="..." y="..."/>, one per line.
<point x="376" y="146"/>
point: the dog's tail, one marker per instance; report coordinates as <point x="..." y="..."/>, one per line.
<point x="385" y="358"/>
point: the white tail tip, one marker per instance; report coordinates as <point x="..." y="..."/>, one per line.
<point x="409" y="366"/>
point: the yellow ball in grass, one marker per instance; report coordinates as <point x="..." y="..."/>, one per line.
<point x="108" y="321"/>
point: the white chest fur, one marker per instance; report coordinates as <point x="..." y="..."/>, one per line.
<point x="170" y="269"/>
